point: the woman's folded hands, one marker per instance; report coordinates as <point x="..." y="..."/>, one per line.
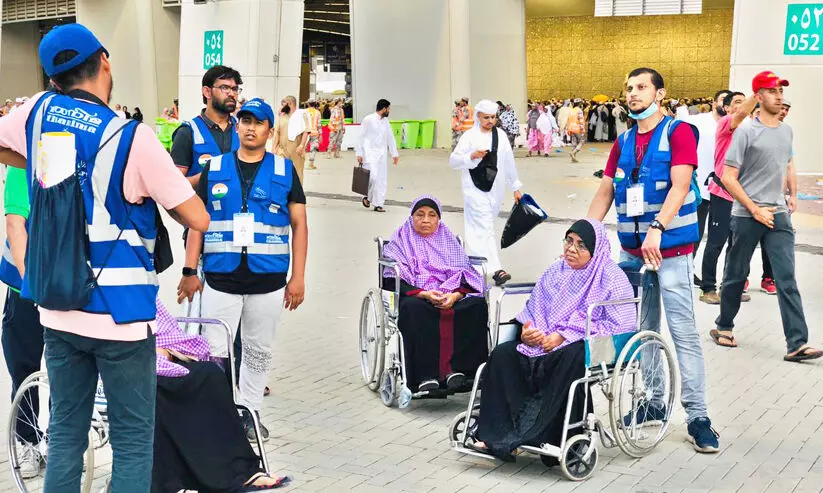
<point x="535" y="337"/>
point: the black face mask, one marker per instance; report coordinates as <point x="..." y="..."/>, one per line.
<point x="286" y="109"/>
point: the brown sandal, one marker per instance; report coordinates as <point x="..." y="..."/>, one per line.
<point x="803" y="354"/>
<point x="717" y="337"/>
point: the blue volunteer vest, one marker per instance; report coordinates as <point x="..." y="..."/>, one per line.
<point x="9" y="274"/>
<point x="204" y="147"/>
<point x="266" y="199"/>
<point x="121" y="236"/>
<point x="654" y="174"/>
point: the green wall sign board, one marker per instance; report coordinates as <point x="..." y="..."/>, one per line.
<point x="804" y="29"/>
<point x="212" y="49"/>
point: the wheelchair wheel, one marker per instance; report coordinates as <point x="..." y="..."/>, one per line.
<point x="643" y="389"/>
<point x="459" y="425"/>
<point x="372" y="338"/>
<point x="388" y="387"/>
<point x="28" y="454"/>
<point x="573" y="461"/>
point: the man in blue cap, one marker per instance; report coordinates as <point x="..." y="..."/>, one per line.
<point x="254" y="199"/>
<point x="122" y="172"/>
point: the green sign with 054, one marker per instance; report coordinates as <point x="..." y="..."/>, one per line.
<point x="212" y="49"/>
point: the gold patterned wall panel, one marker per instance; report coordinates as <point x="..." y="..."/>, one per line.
<point x="584" y="56"/>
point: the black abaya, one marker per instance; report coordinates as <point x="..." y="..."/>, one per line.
<point x="524" y="399"/>
<point x="199" y="441"/>
<point x="438" y="342"/>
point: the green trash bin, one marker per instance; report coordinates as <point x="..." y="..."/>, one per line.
<point x="412" y="130"/>
<point x="167" y="133"/>
<point x="348" y="121"/>
<point x="324" y="122"/>
<point x="397" y="130"/>
<point x="425" y="137"/>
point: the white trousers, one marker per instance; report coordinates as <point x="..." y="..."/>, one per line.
<point x="260" y="314"/>
<point x="378" y="181"/>
<point x="479" y="215"/>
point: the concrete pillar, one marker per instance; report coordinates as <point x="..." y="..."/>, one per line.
<point x="262" y="39"/>
<point x="20" y="73"/>
<point x="423" y="55"/>
<point x="134" y="32"/>
<point x="757" y="44"/>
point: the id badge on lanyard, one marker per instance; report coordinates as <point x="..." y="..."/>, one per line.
<point x="634" y="200"/>
<point x="243" y="229"/>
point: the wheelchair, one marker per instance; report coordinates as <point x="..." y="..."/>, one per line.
<point x="628" y="368"/>
<point x="97" y="454"/>
<point x="381" y="342"/>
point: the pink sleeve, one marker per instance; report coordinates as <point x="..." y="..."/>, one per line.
<point x="150" y="172"/>
<point x="13" y="127"/>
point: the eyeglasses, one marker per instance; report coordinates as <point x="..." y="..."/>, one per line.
<point x="229" y="89"/>
<point x="569" y="243"/>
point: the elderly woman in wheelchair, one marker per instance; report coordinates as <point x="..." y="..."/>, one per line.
<point x="579" y="315"/>
<point x="441" y="313"/>
<point x="199" y="440"/>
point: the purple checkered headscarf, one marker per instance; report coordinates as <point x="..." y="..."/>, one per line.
<point x="431" y="262"/>
<point x="169" y="336"/>
<point x="562" y="296"/>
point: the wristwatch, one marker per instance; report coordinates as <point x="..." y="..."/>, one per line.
<point x="188" y="272"/>
<point x="658" y="225"/>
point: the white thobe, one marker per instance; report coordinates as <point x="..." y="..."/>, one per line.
<point x="375" y="139"/>
<point x="480" y="209"/>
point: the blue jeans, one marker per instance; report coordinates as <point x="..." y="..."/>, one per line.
<point x="674" y="286"/>
<point x="128" y="370"/>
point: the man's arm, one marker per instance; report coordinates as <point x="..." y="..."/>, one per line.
<point x="743" y="111"/>
<point x="392" y="142"/>
<point x="17" y="236"/>
<point x="12" y="158"/>
<point x="181" y="148"/>
<point x="735" y="189"/>
<point x="191" y="214"/>
<point x="296" y="287"/>
<point x="681" y="183"/>
<point x="603" y="198"/>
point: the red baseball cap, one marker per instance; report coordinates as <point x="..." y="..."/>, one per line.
<point x="767" y="80"/>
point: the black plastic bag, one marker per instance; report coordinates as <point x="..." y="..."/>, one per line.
<point x="524" y="217"/>
<point x="58" y="274"/>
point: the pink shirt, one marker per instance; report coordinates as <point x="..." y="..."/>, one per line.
<point x="149" y="172"/>
<point x="722" y="141"/>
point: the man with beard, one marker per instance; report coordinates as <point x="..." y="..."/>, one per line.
<point x="757" y="166"/>
<point x="376" y="139"/>
<point x="213" y="132"/>
<point x="291" y="133"/>
<point x="648" y="176"/>
<point x="113" y="333"/>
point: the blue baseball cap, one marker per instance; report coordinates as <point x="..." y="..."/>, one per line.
<point x="259" y="109"/>
<point x="74" y="37"/>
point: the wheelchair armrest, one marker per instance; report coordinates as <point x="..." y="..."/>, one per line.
<point x="518" y="288"/>
<point x="590" y="310"/>
<point x="386" y="262"/>
<point x="475" y="260"/>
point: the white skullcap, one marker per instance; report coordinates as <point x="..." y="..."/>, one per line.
<point x="484" y="106"/>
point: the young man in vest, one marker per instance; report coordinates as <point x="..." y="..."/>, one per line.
<point x="213" y="132"/>
<point x="575" y="128"/>
<point x="758" y="170"/>
<point x="22" y="332"/>
<point x="253" y="198"/>
<point x="649" y="178"/>
<point x="113" y="334"/>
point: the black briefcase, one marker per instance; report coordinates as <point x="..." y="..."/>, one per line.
<point x="360" y="180"/>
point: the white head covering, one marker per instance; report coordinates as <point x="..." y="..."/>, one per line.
<point x="484" y="106"/>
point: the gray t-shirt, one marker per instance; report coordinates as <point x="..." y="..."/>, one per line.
<point x="761" y="154"/>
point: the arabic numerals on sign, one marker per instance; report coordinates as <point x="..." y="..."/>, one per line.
<point x="803" y="29"/>
<point x="212" y="49"/>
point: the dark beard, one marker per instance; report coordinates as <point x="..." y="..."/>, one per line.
<point x="224" y="106"/>
<point x="721" y="111"/>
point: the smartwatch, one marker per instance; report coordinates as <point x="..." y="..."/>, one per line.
<point x="658" y="225"/>
<point x="188" y="272"/>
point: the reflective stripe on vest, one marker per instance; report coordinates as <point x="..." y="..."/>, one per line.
<point x="127" y="286"/>
<point x="267" y="201"/>
<point x="654" y="173"/>
<point x="9" y="274"/>
<point x="468" y="123"/>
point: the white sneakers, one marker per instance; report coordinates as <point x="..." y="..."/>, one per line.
<point x="31" y="461"/>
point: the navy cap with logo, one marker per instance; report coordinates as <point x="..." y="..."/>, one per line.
<point x="68" y="37"/>
<point x="259" y="109"/>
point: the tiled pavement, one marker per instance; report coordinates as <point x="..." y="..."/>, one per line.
<point x="333" y="434"/>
